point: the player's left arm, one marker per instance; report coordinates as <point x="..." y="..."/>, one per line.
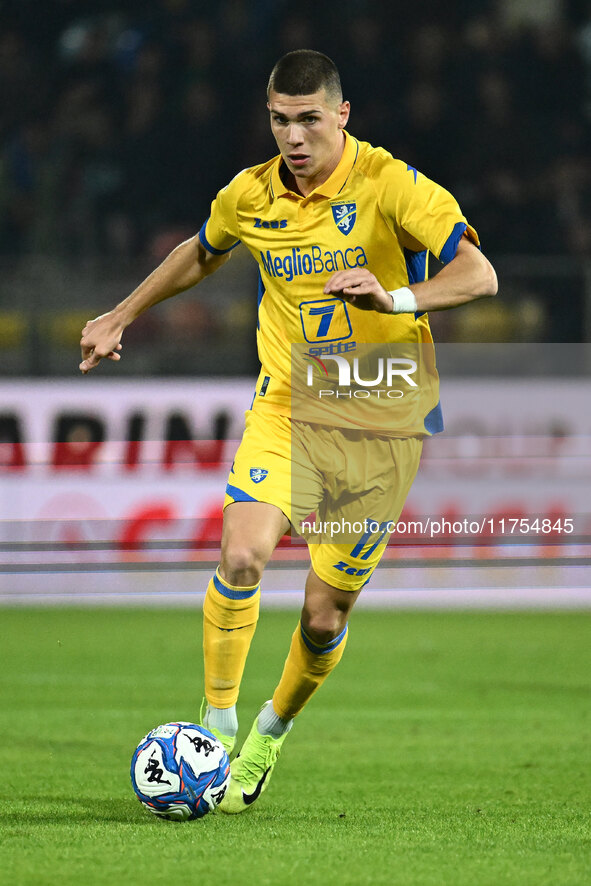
<point x="467" y="277"/>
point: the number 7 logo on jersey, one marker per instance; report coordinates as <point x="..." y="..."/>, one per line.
<point x="325" y="319"/>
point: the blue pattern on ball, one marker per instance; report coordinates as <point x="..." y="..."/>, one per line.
<point x="180" y="771"/>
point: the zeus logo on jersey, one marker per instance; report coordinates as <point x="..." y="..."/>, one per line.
<point x="344" y="215"/>
<point x="261" y="223"/>
<point x="316" y="261"/>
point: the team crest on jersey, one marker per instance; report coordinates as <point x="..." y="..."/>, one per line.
<point x="258" y="474"/>
<point x="344" y="215"/>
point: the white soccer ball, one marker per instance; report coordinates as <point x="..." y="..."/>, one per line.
<point x="180" y="771"/>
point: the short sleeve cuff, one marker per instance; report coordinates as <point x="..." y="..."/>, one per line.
<point x="207" y="245"/>
<point x="450" y="247"/>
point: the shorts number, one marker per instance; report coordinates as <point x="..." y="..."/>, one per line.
<point x="381" y="529"/>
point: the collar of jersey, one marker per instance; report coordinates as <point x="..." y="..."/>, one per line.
<point x="333" y="184"/>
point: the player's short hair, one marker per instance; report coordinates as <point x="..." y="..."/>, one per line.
<point x="304" y="72"/>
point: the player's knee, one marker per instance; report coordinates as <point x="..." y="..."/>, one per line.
<point x="242" y="565"/>
<point x="323" y="626"/>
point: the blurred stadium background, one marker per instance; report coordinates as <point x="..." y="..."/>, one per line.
<point x="118" y="124"/>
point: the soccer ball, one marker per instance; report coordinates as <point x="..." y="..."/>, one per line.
<point x="180" y="771"/>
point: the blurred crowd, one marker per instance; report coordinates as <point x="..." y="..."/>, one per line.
<point x="119" y="121"/>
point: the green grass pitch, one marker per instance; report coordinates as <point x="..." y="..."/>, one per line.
<point x="447" y="748"/>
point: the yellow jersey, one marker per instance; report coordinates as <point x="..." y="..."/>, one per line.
<point x="373" y="211"/>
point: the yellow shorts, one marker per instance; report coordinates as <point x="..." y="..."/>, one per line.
<point x="341" y="489"/>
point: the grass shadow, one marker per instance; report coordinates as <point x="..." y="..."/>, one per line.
<point x="82" y="810"/>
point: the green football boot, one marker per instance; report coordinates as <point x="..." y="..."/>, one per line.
<point x="251" y="770"/>
<point x="228" y="741"/>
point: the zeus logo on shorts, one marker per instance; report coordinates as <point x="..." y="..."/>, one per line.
<point x="257" y="475"/>
<point x="350" y="570"/>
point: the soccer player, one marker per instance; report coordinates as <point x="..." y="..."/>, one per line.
<point x="340" y="231"/>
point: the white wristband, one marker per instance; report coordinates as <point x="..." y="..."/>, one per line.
<point x="403" y="301"/>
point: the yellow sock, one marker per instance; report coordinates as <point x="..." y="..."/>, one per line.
<point x="230" y="617"/>
<point x="306" y="668"/>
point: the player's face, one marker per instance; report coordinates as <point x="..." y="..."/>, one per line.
<point x="308" y="130"/>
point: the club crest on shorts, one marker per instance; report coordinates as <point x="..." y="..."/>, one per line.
<point x="258" y="474"/>
<point x="344" y="215"/>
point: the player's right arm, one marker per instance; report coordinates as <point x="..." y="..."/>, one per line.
<point x="186" y="266"/>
